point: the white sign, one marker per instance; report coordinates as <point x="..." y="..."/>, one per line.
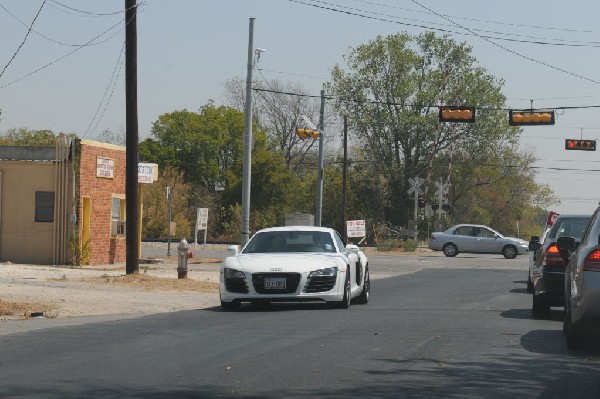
<point x="202" y="219"/>
<point x="146" y="173"/>
<point x="105" y="167"/>
<point x="356" y="228"/>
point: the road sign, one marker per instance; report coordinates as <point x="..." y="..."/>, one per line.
<point x="356" y="228"/>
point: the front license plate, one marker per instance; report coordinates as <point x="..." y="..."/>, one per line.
<point x="275" y="283"/>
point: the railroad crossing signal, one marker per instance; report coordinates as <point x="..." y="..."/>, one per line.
<point x="581" y="145"/>
<point x="530" y="117"/>
<point x="457" y="114"/>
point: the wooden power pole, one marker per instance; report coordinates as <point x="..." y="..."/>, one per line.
<point x="131" y="140"/>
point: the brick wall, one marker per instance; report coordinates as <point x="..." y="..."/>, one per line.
<point x="104" y="249"/>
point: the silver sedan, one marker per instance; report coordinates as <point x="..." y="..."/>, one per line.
<point x="582" y="284"/>
<point x="476" y="238"/>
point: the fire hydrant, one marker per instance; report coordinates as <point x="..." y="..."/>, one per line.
<point x="182" y="258"/>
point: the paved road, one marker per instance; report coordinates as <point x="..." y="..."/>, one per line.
<point x="458" y="328"/>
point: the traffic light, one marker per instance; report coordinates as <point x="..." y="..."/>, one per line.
<point x="530" y="118"/>
<point x="307" y="133"/>
<point x="581" y="145"/>
<point x="457" y="114"/>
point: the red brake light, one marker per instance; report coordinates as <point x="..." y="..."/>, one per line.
<point x="592" y="262"/>
<point x="552" y="257"/>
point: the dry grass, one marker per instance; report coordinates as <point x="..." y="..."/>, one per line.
<point x="150" y="283"/>
<point x="12" y="310"/>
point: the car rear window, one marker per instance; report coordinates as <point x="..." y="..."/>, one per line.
<point x="568" y="228"/>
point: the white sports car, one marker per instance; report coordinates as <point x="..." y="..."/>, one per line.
<point x="295" y="263"/>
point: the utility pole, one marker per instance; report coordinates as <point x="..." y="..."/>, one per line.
<point x="320" y="162"/>
<point x="345" y="230"/>
<point x="131" y="141"/>
<point x="245" y="227"/>
<point x="169" y="202"/>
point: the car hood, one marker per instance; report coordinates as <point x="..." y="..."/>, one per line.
<point x="287" y="263"/>
<point x="520" y="241"/>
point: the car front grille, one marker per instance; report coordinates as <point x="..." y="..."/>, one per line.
<point x="320" y="284"/>
<point x="236" y="284"/>
<point x="291" y="283"/>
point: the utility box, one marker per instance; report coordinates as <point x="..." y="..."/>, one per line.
<point x="299" y="219"/>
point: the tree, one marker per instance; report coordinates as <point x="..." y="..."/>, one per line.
<point x="27" y="137"/>
<point x="391" y="90"/>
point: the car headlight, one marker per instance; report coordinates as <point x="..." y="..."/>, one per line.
<point x="327" y="272"/>
<point x="232" y="273"/>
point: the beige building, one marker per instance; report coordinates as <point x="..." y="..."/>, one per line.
<point x="64" y="204"/>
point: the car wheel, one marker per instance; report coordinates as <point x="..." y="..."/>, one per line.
<point x="540" y="306"/>
<point x="345" y="302"/>
<point x="575" y="339"/>
<point x="529" y="284"/>
<point x="363" y="298"/>
<point x="450" y="250"/>
<point x="510" y="252"/>
<point x="230" y="305"/>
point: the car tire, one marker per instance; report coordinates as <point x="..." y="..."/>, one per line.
<point x="345" y="302"/>
<point x="540" y="306"/>
<point x="510" y="252"/>
<point x="575" y="338"/>
<point x="363" y="298"/>
<point x="529" y="284"/>
<point x="450" y="250"/>
<point x="234" y="305"/>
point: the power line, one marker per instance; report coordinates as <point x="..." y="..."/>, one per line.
<point x="49" y="38"/>
<point x="487" y="21"/>
<point x="86" y="13"/>
<point x="487" y="39"/>
<point x="376" y="102"/>
<point x="423" y="25"/>
<point x="24" y="39"/>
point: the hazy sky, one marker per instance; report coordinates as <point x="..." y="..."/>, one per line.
<point x="67" y="74"/>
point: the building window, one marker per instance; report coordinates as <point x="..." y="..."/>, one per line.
<point x="44" y="206"/>
<point x="117" y="225"/>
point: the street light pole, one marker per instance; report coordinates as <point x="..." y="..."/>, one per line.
<point x="320" y="164"/>
<point x="245" y="226"/>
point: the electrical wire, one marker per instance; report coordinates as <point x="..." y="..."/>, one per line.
<point x="24" y="39"/>
<point x="86" y="13"/>
<point x="422" y="25"/>
<point x="49" y="38"/>
<point x="509" y="50"/>
<point x="487" y="21"/>
<point x="112" y="82"/>
<point x="67" y="54"/>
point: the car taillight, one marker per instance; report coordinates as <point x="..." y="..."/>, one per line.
<point x="552" y="257"/>
<point x="592" y="262"/>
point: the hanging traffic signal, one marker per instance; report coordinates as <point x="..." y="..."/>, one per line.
<point x="530" y="117"/>
<point x="457" y="114"/>
<point x="307" y="133"/>
<point x="581" y="145"/>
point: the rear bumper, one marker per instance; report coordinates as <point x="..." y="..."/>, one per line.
<point x="550" y="284"/>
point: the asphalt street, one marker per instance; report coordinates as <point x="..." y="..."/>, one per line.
<point x="458" y="328"/>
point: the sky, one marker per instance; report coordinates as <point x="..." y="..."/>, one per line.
<point x="62" y="62"/>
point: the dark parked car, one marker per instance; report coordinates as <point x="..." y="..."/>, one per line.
<point x="582" y="284"/>
<point x="548" y="268"/>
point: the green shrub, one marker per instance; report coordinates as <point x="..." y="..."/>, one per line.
<point x="389" y="245"/>
<point x="410" y="246"/>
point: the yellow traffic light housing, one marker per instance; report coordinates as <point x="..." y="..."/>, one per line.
<point x="530" y="117"/>
<point x="581" y="145"/>
<point x="307" y="133"/>
<point x="457" y="114"/>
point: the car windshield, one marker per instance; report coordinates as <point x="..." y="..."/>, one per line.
<point x="568" y="227"/>
<point x="290" y="241"/>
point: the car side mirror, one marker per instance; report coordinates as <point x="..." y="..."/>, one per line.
<point x="233" y="250"/>
<point x="566" y="245"/>
<point x="534" y="239"/>
<point x="352" y="248"/>
<point x="534" y="245"/>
